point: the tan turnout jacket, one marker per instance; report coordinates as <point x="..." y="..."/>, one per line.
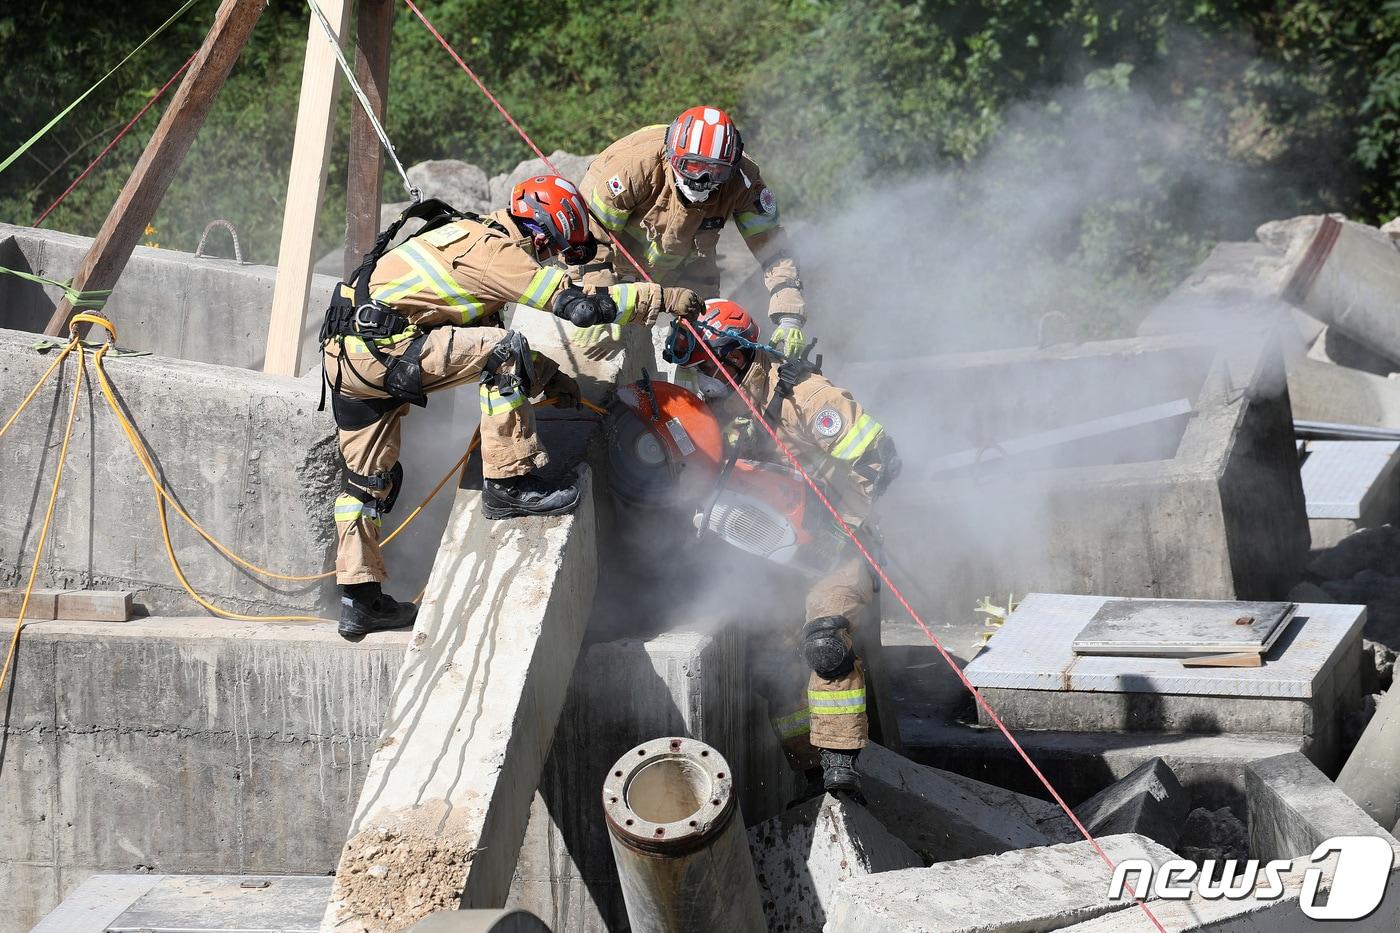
<point x="631" y="192"/>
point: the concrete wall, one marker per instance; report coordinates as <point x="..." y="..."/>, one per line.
<point x="167" y="302"/>
<point x="182" y="745"/>
<point x="1207" y="505"/>
<point x="248" y="455"/>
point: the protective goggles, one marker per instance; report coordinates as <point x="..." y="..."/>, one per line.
<point x="575" y="254"/>
<point x="702" y="172"/>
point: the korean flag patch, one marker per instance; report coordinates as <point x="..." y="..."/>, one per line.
<point x="767" y="202"/>
<point x="827" y="423"/>
<point x="615" y="184"/>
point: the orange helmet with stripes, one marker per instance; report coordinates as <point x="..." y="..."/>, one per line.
<point x="703" y="147"/>
<point x="551" y="209"/>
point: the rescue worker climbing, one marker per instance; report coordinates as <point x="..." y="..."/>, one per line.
<point x="426" y="316"/>
<point x="849" y="454"/>
<point x="668" y="191"/>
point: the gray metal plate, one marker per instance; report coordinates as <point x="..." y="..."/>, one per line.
<point x="1182" y="627"/>
<point x="229" y="903"/>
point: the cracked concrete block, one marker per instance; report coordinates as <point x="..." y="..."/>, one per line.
<point x="937" y="817"/>
<point x="472" y="718"/>
<point x="1150" y="802"/>
<point x="804" y="855"/>
<point x="1293" y="807"/>
<point x="1043" y="888"/>
<point x="1371" y="775"/>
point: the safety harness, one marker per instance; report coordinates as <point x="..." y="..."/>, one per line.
<point x="372" y="320"/>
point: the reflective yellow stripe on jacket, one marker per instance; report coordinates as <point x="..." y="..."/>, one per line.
<point x="793" y="724"/>
<point x="609" y="216"/>
<point x="836" y="702"/>
<point x="625" y="297"/>
<point x="752" y="223"/>
<point x="432" y="275"/>
<point x="541" y="288"/>
<point x="857" y="438"/>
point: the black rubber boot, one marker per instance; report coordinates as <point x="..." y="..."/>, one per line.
<point x="839" y="771"/>
<point x="364" y="608"/>
<point x="516" y="496"/>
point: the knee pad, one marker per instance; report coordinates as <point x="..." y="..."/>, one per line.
<point x="825" y="651"/>
<point x="514" y="349"/>
<point x="356" y="484"/>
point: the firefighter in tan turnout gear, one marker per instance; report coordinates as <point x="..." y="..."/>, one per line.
<point x="425" y="316"/>
<point x="667" y="192"/>
<point x="846" y="451"/>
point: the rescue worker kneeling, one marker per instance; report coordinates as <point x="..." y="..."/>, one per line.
<point x="854" y="460"/>
<point x="425" y="316"/>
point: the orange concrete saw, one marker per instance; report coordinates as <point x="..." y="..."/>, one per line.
<point x="666" y="452"/>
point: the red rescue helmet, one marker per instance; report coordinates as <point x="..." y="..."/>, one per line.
<point x="726" y="328"/>
<point x="703" y="147"/>
<point x="551" y="209"/>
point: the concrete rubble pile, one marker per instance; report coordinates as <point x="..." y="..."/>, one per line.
<point x="527" y="755"/>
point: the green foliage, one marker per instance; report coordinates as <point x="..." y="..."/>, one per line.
<point x="1296" y="101"/>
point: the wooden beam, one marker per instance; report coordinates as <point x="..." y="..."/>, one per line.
<point x="320" y="79"/>
<point x="365" y="177"/>
<point x="143" y="191"/>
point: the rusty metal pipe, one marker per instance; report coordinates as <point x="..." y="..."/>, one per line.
<point x="678" y="840"/>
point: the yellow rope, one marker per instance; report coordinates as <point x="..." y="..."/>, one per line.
<point x="79" y="381"/>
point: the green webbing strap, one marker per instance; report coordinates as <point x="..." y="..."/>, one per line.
<point x="66" y="110"/>
<point x="44" y="346"/>
<point x="81" y="301"/>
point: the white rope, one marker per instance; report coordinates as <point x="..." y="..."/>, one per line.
<point x="413" y="192"/>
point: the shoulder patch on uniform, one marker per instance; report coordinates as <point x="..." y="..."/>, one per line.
<point x="827" y="423"/>
<point x="615" y="184"/>
<point x="767" y="202"/>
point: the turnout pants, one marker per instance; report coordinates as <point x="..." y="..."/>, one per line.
<point x="369" y="440"/>
<point x="831" y="711"/>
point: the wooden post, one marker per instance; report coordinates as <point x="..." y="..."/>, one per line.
<point x="143" y="191"/>
<point x="320" y="78"/>
<point x="364" y="180"/>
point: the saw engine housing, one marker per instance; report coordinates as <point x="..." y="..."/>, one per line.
<point x="665" y="453"/>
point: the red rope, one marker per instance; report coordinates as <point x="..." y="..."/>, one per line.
<point x="111" y="145"/>
<point x="869" y="559"/>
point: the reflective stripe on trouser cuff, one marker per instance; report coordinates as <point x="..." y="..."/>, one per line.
<point x="793" y="724"/>
<point x="541" y="287"/>
<point x="836" y="702"/>
<point x="854" y="442"/>
<point x="625" y="297"/>
<point x="607" y="215"/>
<point x="350" y="509"/>
<point x="495" y="403"/>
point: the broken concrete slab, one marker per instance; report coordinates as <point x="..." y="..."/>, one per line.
<point x="472" y="718"/>
<point x="249" y="456"/>
<point x="1309" y="682"/>
<point x="1080" y="764"/>
<point x="170" y="303"/>
<point x="1150" y="802"/>
<point x="1046" y="816"/>
<point x="1347" y="275"/>
<point x="1293" y="807"/>
<point x="1044" y="888"/>
<point x="804" y="855"/>
<point x="622" y="693"/>
<point x="1324" y="392"/>
<point x="1371" y="775"/>
<point x="1205" y="505"/>
<point x="935" y="816"/>
<point x="1335" y="347"/>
